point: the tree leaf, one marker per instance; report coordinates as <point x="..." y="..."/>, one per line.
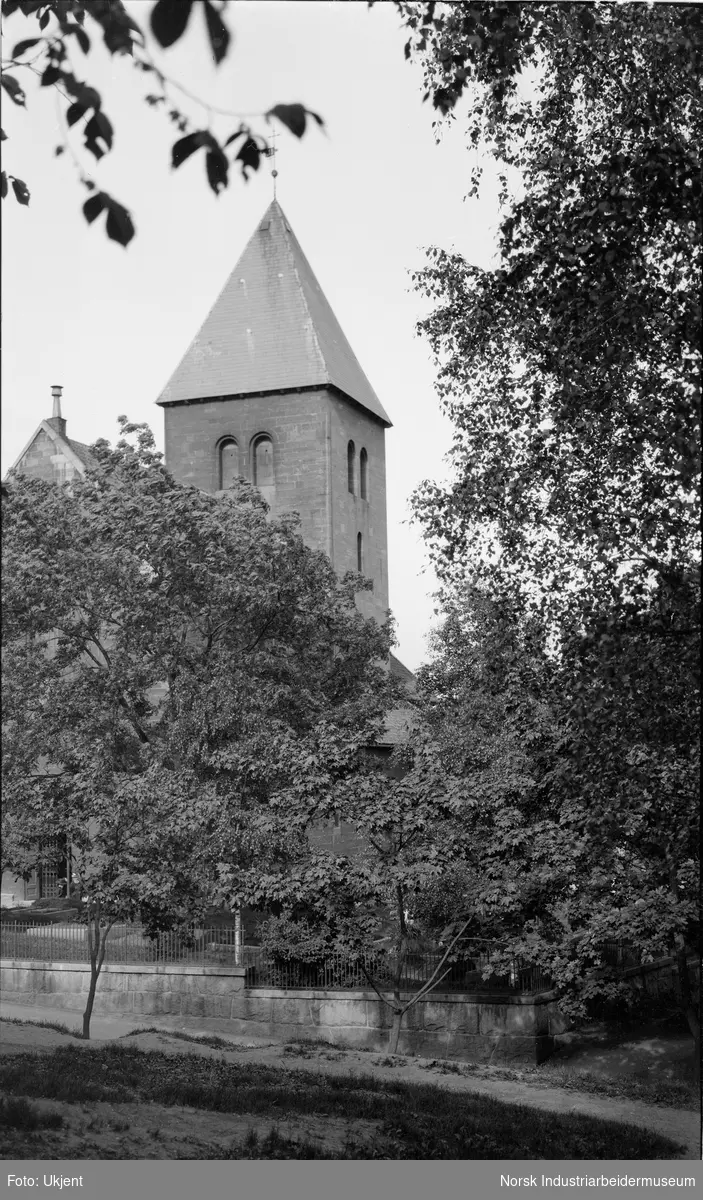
<point x="293" y="116"/>
<point x="82" y="38"/>
<point x="234" y="137"/>
<point x="217" y="32"/>
<point x="14" y="89"/>
<point x="119" y="29"/>
<point x="99" y="127"/>
<point x="3" y="135"/>
<point x="217" y="167"/>
<point x="75" y="111"/>
<point x="21" y="191"/>
<point x="119" y="224"/>
<point x="3" y="184"/>
<point x="94" y="206"/>
<point x="169" y="19"/>
<point x="87" y="96"/>
<point x="51" y="75"/>
<point x="249" y="156"/>
<point x="184" y="147"/>
<point x="27" y="44"/>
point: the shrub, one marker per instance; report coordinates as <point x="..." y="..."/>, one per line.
<point x="17" y="1113"/>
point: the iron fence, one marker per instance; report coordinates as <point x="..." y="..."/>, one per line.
<point x="657" y="976"/>
<point x="620" y="955"/>
<point x="126" y="944"/>
<point x="469" y="970"/>
<point x="475" y="966"/>
<point x="466" y="973"/>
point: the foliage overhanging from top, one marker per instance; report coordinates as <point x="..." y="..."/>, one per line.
<point x="60" y="27"/>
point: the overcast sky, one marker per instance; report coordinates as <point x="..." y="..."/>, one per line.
<point x="111" y="324"/>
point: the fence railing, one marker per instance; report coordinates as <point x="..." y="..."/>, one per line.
<point x="126" y="944"/>
<point x="217" y="946"/>
<point x="619" y="955"/>
<point x="338" y="970"/>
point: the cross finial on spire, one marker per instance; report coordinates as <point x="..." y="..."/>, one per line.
<point x="272" y="154"/>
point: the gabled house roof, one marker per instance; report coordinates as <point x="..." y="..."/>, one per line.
<point x="75" y="453"/>
<point x="270" y="329"/>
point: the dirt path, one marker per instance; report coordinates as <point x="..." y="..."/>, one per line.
<point x="179" y="1129"/>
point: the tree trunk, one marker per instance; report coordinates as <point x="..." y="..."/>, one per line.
<point x="395" y="1031"/>
<point x="688" y="1006"/>
<point x="97" y="944"/>
<point x="89" y="1003"/>
<point x="684" y="992"/>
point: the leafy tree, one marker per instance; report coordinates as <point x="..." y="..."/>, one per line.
<point x="448" y="819"/>
<point x="596" y="830"/>
<point x="570" y="372"/>
<point x="58" y="29"/>
<point x="175" y="665"/>
<point x="359" y="903"/>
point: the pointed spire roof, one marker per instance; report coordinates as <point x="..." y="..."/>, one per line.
<point x="270" y="328"/>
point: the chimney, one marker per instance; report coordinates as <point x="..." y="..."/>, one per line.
<point x="56" y="420"/>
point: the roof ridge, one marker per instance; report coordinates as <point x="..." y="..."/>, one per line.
<point x="287" y="226"/>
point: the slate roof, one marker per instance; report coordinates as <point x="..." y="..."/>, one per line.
<point x="399" y="721"/>
<point x="83" y="452"/>
<point x="400" y="671"/>
<point x="271" y="328"/>
<point x="397" y="727"/>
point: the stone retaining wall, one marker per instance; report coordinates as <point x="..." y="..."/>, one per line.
<point x="475" y="1028"/>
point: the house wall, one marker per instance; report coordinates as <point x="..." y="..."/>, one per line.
<point x="43" y="460"/>
<point x="474" y="1028"/>
<point x="16" y="890"/>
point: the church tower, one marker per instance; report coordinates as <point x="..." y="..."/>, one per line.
<point x="271" y="390"/>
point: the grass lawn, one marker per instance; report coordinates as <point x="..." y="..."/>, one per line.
<point x="412" y="1121"/>
<point x="665" y="1092"/>
<point x="59" y="1026"/>
<point x="668" y="1093"/>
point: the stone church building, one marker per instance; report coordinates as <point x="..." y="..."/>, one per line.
<point x="269" y="389"/>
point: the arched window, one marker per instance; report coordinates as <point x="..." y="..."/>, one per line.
<point x="359" y="552"/>
<point x="229" y="463"/>
<point x="350" y="467"/>
<point x="363" y="474"/>
<point x="262" y="468"/>
<point x="263" y="462"/>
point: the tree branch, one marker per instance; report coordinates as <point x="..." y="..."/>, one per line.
<point x="427" y="987"/>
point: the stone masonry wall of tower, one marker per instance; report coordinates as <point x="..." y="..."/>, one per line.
<point x="351" y="514"/>
<point x="310" y="431"/>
